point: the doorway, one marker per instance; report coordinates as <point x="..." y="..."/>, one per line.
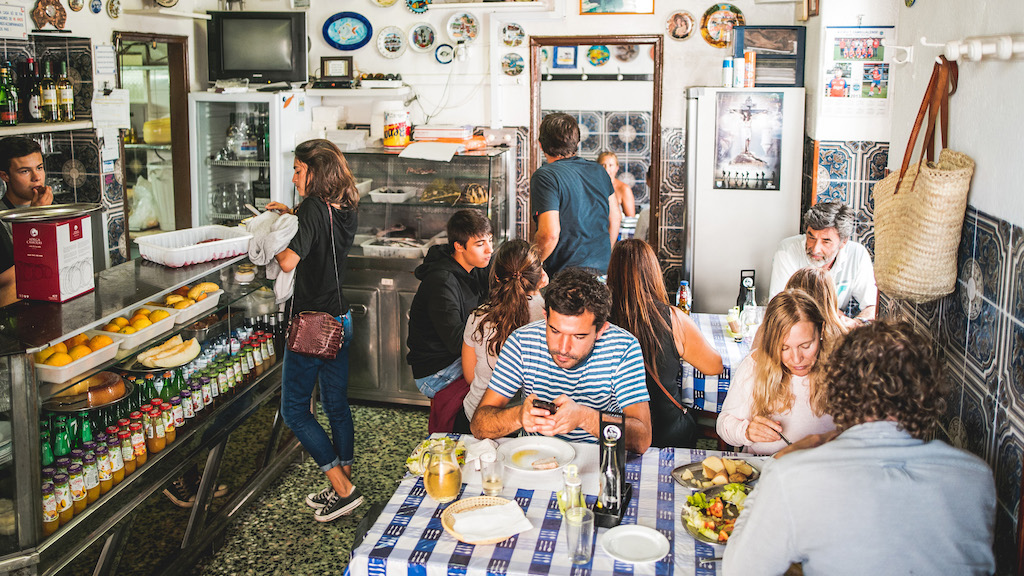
<point x="155" y="159"/>
<point x="613" y="85"/>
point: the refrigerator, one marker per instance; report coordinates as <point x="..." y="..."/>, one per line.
<point x="744" y="154"/>
<point x="221" y="178"/>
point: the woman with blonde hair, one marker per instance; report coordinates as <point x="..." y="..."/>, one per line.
<point x="777" y="393"/>
<point x="820" y="286"/>
<point x="666" y="335"/>
<point x="513" y="301"/>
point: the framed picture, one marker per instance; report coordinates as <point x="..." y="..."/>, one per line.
<point x="335" y="68"/>
<point x="812" y="7"/>
<point x="748" y="134"/>
<point x="779" y="50"/>
<point x="616" y="6"/>
<point x="565" y="57"/>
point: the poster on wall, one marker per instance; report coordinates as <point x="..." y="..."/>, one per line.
<point x="748" y="137"/>
<point x="856" y="71"/>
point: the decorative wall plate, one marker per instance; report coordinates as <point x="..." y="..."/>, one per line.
<point x="96" y="6"/>
<point x="422" y="36"/>
<point x="598" y="55"/>
<point x="347" y="31"/>
<point x="626" y="52"/>
<point x="417" y="6"/>
<point x="463" y="26"/>
<point x="384" y="3"/>
<point x="391" y="42"/>
<point x="166" y="3"/>
<point x="76" y="5"/>
<point x="512" y="34"/>
<point x="444" y="53"/>
<point x="113" y="8"/>
<point x="717" y="24"/>
<point x="512" y="64"/>
<point x="679" y="25"/>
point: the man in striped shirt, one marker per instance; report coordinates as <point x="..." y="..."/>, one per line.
<point x="574" y="358"/>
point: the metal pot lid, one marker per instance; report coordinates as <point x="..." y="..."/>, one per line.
<point x="52" y="212"/>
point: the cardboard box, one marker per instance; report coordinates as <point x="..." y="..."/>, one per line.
<point x="53" y="260"/>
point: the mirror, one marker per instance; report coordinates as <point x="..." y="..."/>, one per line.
<point x="612" y="85"/>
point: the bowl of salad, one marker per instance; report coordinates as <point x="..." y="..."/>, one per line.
<point x="710" y="515"/>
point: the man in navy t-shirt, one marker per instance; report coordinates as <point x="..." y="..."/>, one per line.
<point x="573" y="202"/>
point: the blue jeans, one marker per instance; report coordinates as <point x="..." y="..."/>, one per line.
<point x="431" y="385"/>
<point x="299" y="375"/>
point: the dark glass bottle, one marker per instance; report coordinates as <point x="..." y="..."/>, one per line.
<point x="8" y="97"/>
<point x="29" y="95"/>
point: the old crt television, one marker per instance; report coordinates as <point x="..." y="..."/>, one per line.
<point x="261" y="46"/>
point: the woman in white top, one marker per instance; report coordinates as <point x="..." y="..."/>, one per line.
<point x="777" y="392"/>
<point x="514" y="301"/>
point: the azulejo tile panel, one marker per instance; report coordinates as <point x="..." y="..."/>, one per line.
<point x="1015" y="294"/>
<point x="976" y="418"/>
<point x="991" y="251"/>
<point x="1008" y="452"/>
<point x="837" y="160"/>
<point x="673" y="144"/>
<point x="873" y="161"/>
<point x="1012" y="369"/>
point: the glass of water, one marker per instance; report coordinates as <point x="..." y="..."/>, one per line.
<point x="578" y="524"/>
<point x="492" y="474"/>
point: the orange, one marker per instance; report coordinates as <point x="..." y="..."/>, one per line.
<point x="80" y="351"/>
<point x="99" y="341"/>
<point x="60" y="347"/>
<point x="120" y="321"/>
<point x="127" y="330"/>
<point x="138" y="317"/>
<point x="141" y="323"/>
<point x="43" y="354"/>
<point x="76" y="340"/>
<point x="202" y="296"/>
<point x="112" y="327"/>
<point x="143" y="312"/>
<point x="158" y="315"/>
<point x="58" y="359"/>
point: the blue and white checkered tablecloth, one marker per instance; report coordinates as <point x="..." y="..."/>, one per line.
<point x="408" y="537"/>
<point x="708" y="392"/>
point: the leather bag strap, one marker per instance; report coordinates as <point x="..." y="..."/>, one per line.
<point x="657" y="380"/>
<point x="935" y="104"/>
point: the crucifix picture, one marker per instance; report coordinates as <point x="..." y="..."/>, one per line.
<point x="748" y="136"/>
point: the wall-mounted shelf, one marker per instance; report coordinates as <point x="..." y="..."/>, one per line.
<point x="41" y="127"/>
<point x="491" y="6"/>
<point x="167" y="12"/>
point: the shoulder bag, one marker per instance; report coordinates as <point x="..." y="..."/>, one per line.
<point x="919" y="211"/>
<point x="676" y="426"/>
<point x="318" y="334"/>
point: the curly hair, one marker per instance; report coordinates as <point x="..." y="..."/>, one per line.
<point x="773" y="392"/>
<point x="886" y="370"/>
<point x="818" y="284"/>
<point x="515" y="274"/>
<point x="328" y="176"/>
<point x="574" y="291"/>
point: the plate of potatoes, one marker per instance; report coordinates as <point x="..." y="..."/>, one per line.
<point x="715" y="471"/>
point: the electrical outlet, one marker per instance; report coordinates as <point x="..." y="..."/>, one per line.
<point x="500" y="137"/>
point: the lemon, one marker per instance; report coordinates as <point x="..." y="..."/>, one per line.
<point x="137" y="317"/>
<point x="58" y="359"/>
<point x="76" y="340"/>
<point x="120" y="321"/>
<point x="127" y="330"/>
<point x="112" y="327"/>
<point x="184" y="304"/>
<point x="143" y="312"/>
<point x="80" y="351"/>
<point x="141" y="323"/>
<point x="60" y="347"/>
<point x="99" y="341"/>
<point x="158" y="315"/>
<point x="43" y="354"/>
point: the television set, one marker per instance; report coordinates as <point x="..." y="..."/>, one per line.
<point x="265" y="47"/>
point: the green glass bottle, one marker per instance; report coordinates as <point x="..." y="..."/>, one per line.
<point x="44" y="445"/>
<point x="61" y="438"/>
<point x="178" y="383"/>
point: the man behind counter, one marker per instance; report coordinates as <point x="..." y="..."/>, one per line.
<point x="22" y="170"/>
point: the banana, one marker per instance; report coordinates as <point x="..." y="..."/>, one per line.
<point x="202" y="288"/>
<point x="173" y="299"/>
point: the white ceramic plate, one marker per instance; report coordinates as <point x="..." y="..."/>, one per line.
<point x="391" y="42"/>
<point x="520" y="453"/>
<point x="422" y="37"/>
<point x="634" y="544"/>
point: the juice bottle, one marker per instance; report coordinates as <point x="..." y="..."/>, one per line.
<point x="116" y="461"/>
<point x="92" y="479"/>
<point x="65" y="510"/>
<point x="178" y="412"/>
<point x="76" y="483"/>
<point x="51" y="515"/>
<point x="124" y="437"/>
<point x="170" y="432"/>
<point x="156" y="433"/>
<point x="187" y="408"/>
<point x="138" y="443"/>
<point x="103" y="462"/>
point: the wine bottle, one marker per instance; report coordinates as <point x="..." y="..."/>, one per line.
<point x="48" y="95"/>
<point x="65" y="94"/>
<point x="30" y="111"/>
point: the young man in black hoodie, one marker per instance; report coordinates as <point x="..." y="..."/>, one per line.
<point x="453" y="282"/>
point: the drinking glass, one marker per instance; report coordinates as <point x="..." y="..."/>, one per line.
<point x="492" y="474"/>
<point x="578" y="524"/>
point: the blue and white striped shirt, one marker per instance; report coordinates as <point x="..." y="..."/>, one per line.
<point x="610" y="379"/>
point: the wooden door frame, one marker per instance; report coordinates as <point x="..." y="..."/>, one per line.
<point x="177" y="67"/>
<point x="657" y="40"/>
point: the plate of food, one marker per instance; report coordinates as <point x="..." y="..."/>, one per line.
<point x="715" y="471"/>
<point x="413" y="461"/>
<point x="536" y="453"/>
<point x="710" y="515"/>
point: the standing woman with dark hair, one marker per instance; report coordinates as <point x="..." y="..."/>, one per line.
<point x="317" y="253"/>
<point x="666" y="335"/>
<point x="514" y="301"/>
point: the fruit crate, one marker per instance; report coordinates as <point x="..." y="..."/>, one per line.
<point x="187" y="315"/>
<point x="132" y="341"/>
<point x="183" y="248"/>
<point x="60" y="374"/>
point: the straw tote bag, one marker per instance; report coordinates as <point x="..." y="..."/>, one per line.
<point x="318" y="334"/>
<point x="919" y="211"/>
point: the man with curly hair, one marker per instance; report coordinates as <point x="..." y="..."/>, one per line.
<point x="878" y="498"/>
<point x="575" y="359"/>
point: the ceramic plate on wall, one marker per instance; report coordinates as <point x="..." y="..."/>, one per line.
<point x="114" y="8"/>
<point x="76" y="5"/>
<point x="626" y="52"/>
<point x="417" y="6"/>
<point x="512" y="64"/>
<point x="347" y="31"/>
<point x="422" y="36"/>
<point x="384" y="3"/>
<point x="463" y="26"/>
<point x="679" y="25"/>
<point x="512" y="34"/>
<point x="444" y="53"/>
<point x="717" y="24"/>
<point x="598" y="55"/>
<point x="391" y="42"/>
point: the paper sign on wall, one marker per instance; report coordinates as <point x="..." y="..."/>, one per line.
<point x="13" y="23"/>
<point x="110" y="109"/>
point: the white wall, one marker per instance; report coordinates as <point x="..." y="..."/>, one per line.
<point x="985" y="113"/>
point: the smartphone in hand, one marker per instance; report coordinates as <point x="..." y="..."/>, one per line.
<point x="545" y="405"/>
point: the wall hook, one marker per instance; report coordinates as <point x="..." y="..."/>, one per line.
<point x="906" y="51"/>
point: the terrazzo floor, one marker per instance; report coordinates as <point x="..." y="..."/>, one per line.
<point x="276" y="535"/>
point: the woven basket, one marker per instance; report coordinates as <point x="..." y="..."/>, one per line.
<point x="917" y="231"/>
<point x="466" y="504"/>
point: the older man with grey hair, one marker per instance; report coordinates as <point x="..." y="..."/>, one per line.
<point x="826" y="243"/>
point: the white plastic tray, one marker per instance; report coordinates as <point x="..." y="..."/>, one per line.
<point x="58" y="374"/>
<point x="186" y="315"/>
<point x="182" y="247"/>
<point x="363" y="186"/>
<point x="393" y="251"/>
<point x="379" y="195"/>
<point x="131" y="341"/>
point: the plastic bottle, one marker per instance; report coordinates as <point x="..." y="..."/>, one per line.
<point x="684" y="300"/>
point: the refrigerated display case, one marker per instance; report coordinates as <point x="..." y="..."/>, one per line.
<point x="226" y="175"/>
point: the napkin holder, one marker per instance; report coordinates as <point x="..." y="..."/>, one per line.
<point x="605" y="520"/>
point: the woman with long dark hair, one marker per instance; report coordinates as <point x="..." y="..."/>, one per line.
<point x="514" y="301"/>
<point x="666" y="335"/>
<point x="317" y="253"/>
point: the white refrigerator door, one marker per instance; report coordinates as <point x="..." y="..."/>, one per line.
<point x="744" y="159"/>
